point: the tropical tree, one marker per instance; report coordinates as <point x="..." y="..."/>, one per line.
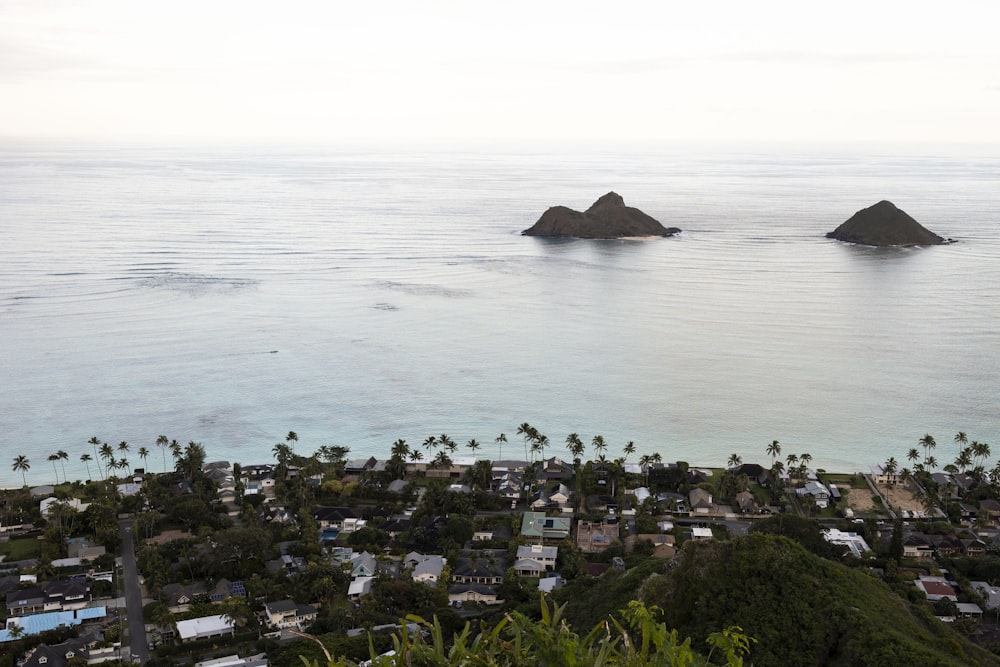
<point x="63" y="457"/>
<point x="774" y="450"/>
<point x="961" y="440"/>
<point x="913" y="455"/>
<point x="931" y="463"/>
<point x="95" y="442"/>
<point x="473" y="445"/>
<point x="163" y="443"/>
<point x="539" y="444"/>
<point x="86" y="459"/>
<point x="629" y="448"/>
<point x="964" y="459"/>
<point x="416" y="455"/>
<point x="447" y="443"/>
<point x="400" y="449"/>
<point x="107" y="454"/>
<point x="143" y="454"/>
<point x="53" y="458"/>
<point x="22" y="464"/>
<point x="430" y="443"/>
<point x="928" y="443"/>
<point x="123" y="448"/>
<point x="499" y="440"/>
<point x="575" y="445"/>
<point x="734" y="460"/>
<point x="282" y="453"/>
<point x="528" y="432"/>
<point x="597" y="442"/>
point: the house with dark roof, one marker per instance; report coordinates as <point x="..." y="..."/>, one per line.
<point x="479" y="570"/>
<point x="60" y="595"/>
<point x="288" y="614"/>
<point x="342" y="518"/>
<point x="465" y="592"/>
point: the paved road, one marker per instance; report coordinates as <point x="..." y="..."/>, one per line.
<point x="133" y="594"/>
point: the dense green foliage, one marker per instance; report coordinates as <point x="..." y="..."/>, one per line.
<point x="801" y="608"/>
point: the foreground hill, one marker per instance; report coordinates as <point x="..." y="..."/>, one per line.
<point x="802" y="609"/>
<point x="608" y="218"/>
<point x="884" y="225"/>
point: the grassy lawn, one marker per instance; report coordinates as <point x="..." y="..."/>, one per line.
<point x="22" y="549"/>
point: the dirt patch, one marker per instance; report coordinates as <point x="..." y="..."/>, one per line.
<point x="900" y="496"/>
<point x="860" y="500"/>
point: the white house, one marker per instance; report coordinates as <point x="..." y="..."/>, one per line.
<point x="204" y="627"/>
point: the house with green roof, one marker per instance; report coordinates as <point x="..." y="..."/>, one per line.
<point x="538" y="525"/>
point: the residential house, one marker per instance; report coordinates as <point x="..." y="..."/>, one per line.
<point x="359" y="588"/>
<point x="701" y="501"/>
<point x="538" y="525"/>
<point x="592" y="537"/>
<point x="466" y="592"/>
<point x="363" y="565"/>
<point x="820" y="493"/>
<point x="359" y="466"/>
<point x="205" y="627"/>
<point x="746" y="502"/>
<point x="180" y="597"/>
<point x="555" y="469"/>
<point x="936" y="588"/>
<point x="429" y="570"/>
<point x="551" y="583"/>
<point x="527" y="567"/>
<point x="756" y="473"/>
<point x="288" y="614"/>
<point x="59" y="655"/>
<point x="61" y="595"/>
<point x="701" y="533"/>
<point x="508" y="484"/>
<point x="989" y="593"/>
<point x="545" y="556"/>
<point x="854" y="542"/>
<point x="341" y="518"/>
<point x="990" y="508"/>
<point x="664" y="546"/>
<point x="478" y="570"/>
<point x="917" y="545"/>
<point x="883" y="476"/>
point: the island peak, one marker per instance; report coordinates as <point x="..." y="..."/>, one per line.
<point x="883" y="224"/>
<point x="607" y="218"/>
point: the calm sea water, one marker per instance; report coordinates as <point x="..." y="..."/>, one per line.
<point x="357" y="297"/>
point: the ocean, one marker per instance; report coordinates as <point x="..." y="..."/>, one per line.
<point x="358" y="296"/>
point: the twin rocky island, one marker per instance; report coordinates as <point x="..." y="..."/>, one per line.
<point x="609" y="218"/>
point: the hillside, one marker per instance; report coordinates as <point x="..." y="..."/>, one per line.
<point x="801" y="609"/>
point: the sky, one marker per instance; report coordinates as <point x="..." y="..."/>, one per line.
<point x="394" y="70"/>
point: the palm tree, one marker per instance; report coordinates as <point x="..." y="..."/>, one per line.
<point x="575" y="445"/>
<point x="123" y="447"/>
<point x="734" y="460"/>
<point x="526" y="431"/>
<point x="176" y="450"/>
<point x="629" y="448"/>
<point x="981" y="451"/>
<point x="928" y="443"/>
<point x="961" y="439"/>
<point x="143" y="454"/>
<point x="63" y="456"/>
<point x="890" y="472"/>
<point x="162" y="443"/>
<point x="598" y="444"/>
<point x="86" y="459"/>
<point x="913" y="455"/>
<point x="22" y="464"/>
<point x="774" y="450"/>
<point x="499" y="440"/>
<point x="430" y="443"/>
<point x="283" y="453"/>
<point x="805" y="459"/>
<point x="473" y="445"/>
<point x="447" y="443"/>
<point x="931" y="463"/>
<point x="53" y="458"/>
<point x="416" y="455"/>
<point x="964" y="459"/>
<point x="95" y="442"/>
<point x="540" y="443"/>
<point x="107" y="453"/>
<point x="399" y="449"/>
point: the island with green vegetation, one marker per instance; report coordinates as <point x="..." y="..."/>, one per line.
<point x="437" y="556"/>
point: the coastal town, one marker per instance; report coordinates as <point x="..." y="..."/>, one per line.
<point x="186" y="560"/>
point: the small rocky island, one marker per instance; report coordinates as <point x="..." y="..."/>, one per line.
<point x="884" y="225"/>
<point x="608" y="218"/>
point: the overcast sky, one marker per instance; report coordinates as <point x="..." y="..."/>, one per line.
<point x="331" y="70"/>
